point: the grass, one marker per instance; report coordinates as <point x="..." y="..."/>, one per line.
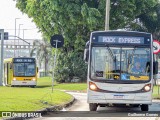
<point x="72" y="86"/>
<point x="44" y="82"/>
<point x="47" y="82"/>
<point x="31" y="99"/>
<point x="156" y="92"/>
<point x="82" y="86"/>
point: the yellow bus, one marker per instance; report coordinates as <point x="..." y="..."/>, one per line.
<point x="20" y="71"/>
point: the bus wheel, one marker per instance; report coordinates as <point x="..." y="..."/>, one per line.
<point x="144" y="107"/>
<point x="92" y="106"/>
<point x="33" y="86"/>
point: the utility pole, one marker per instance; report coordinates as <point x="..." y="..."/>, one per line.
<point x="107" y="15"/>
<point x="2" y="42"/>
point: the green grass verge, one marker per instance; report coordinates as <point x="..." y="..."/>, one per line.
<point x="81" y="86"/>
<point x="47" y="82"/>
<point x="31" y="99"/>
<point x="72" y="86"/>
<point x="44" y="82"/>
<point x="156" y="92"/>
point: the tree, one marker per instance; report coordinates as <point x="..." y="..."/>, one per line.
<point x="149" y="21"/>
<point x="75" y="19"/>
<point x="42" y="49"/>
<point x="69" y="66"/>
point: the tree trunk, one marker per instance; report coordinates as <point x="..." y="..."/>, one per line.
<point x="45" y="68"/>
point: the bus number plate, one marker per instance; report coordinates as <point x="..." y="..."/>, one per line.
<point x="118" y="97"/>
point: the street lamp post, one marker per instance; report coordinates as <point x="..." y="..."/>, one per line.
<point x="19" y="29"/>
<point x="29" y="44"/>
<point x="15" y="35"/>
<point x="19" y="36"/>
<point x="107" y="14"/>
<point x="23" y="33"/>
<point x="2" y="42"/>
<point x="25" y="41"/>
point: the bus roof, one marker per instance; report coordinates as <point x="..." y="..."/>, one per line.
<point x="120" y="31"/>
<point x="12" y="59"/>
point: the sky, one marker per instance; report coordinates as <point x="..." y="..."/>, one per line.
<point x="8" y="13"/>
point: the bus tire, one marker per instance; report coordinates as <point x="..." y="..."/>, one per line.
<point x="33" y="86"/>
<point x="144" y="107"/>
<point x="92" y="106"/>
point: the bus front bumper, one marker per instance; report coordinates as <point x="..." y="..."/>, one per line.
<point x="119" y="98"/>
<point x="24" y="83"/>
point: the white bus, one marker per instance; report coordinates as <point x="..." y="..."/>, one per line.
<point x="112" y="79"/>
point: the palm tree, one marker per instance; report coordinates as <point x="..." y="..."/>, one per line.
<point x="43" y="52"/>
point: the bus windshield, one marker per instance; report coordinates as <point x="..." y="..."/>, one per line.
<point x="24" y="69"/>
<point x="120" y="63"/>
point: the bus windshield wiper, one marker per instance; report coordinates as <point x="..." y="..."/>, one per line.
<point x="130" y="57"/>
<point x="110" y="52"/>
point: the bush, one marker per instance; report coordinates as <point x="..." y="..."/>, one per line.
<point x="70" y="65"/>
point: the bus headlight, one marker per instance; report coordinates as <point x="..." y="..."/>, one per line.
<point x="14" y="79"/>
<point x="92" y="86"/>
<point x="147" y="87"/>
<point x="34" y="79"/>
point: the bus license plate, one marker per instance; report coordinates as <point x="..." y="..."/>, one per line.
<point x="118" y="96"/>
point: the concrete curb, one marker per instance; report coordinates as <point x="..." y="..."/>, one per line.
<point x="57" y="107"/>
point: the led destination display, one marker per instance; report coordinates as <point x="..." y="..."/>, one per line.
<point x="121" y="39"/>
<point x="24" y="60"/>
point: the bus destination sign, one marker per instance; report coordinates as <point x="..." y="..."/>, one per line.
<point x="121" y="39"/>
<point x="24" y="60"/>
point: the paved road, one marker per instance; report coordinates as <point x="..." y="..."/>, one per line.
<point x="81" y="105"/>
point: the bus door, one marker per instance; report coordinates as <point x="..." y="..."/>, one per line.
<point x="9" y="73"/>
<point x="6" y="73"/>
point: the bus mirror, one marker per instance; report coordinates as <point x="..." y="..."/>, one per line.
<point x="37" y="69"/>
<point x="10" y="66"/>
<point x="86" y="55"/>
<point x="86" y="52"/>
<point x="155" y="67"/>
